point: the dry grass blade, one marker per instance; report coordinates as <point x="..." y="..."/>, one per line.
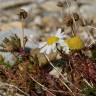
<point x="60" y="75"/>
<point x="43" y="87"/>
<point x="87" y="83"/>
<point x="10" y="85"/>
<point x="71" y="14"/>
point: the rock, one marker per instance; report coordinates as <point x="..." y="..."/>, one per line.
<point x="54" y="73"/>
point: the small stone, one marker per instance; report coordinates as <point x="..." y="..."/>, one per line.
<point x="54" y="72"/>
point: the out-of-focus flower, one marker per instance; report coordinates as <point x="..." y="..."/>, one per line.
<point x="75" y="43"/>
<point x="50" y="45"/>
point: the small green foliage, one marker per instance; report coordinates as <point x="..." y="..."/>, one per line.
<point x="20" y="59"/>
<point x="7" y="64"/>
<point x="1" y="58"/>
<point x="94" y="54"/>
<point x="59" y="62"/>
<point x="88" y="90"/>
<point x="12" y="43"/>
<point x="30" y="66"/>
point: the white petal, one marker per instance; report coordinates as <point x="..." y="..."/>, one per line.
<point x="58" y="32"/>
<point x="44" y="49"/>
<point x="54" y="47"/>
<point x="63" y="36"/>
<point x="66" y="49"/>
<point x="59" y="36"/>
<point x="61" y="42"/>
<point x="48" y="51"/>
<point x="42" y="44"/>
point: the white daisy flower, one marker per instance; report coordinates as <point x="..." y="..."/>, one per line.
<point x="50" y="45"/>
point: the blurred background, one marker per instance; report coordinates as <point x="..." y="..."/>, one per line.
<point x="43" y="14"/>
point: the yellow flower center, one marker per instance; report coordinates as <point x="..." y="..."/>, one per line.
<point x="75" y="43"/>
<point x="52" y="40"/>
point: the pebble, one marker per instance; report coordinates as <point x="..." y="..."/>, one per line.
<point x="54" y="72"/>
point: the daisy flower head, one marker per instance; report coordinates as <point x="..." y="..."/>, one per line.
<point x="50" y="45"/>
<point x="75" y="43"/>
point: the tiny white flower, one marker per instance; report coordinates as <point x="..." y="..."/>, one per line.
<point x="66" y="48"/>
<point x="50" y="45"/>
